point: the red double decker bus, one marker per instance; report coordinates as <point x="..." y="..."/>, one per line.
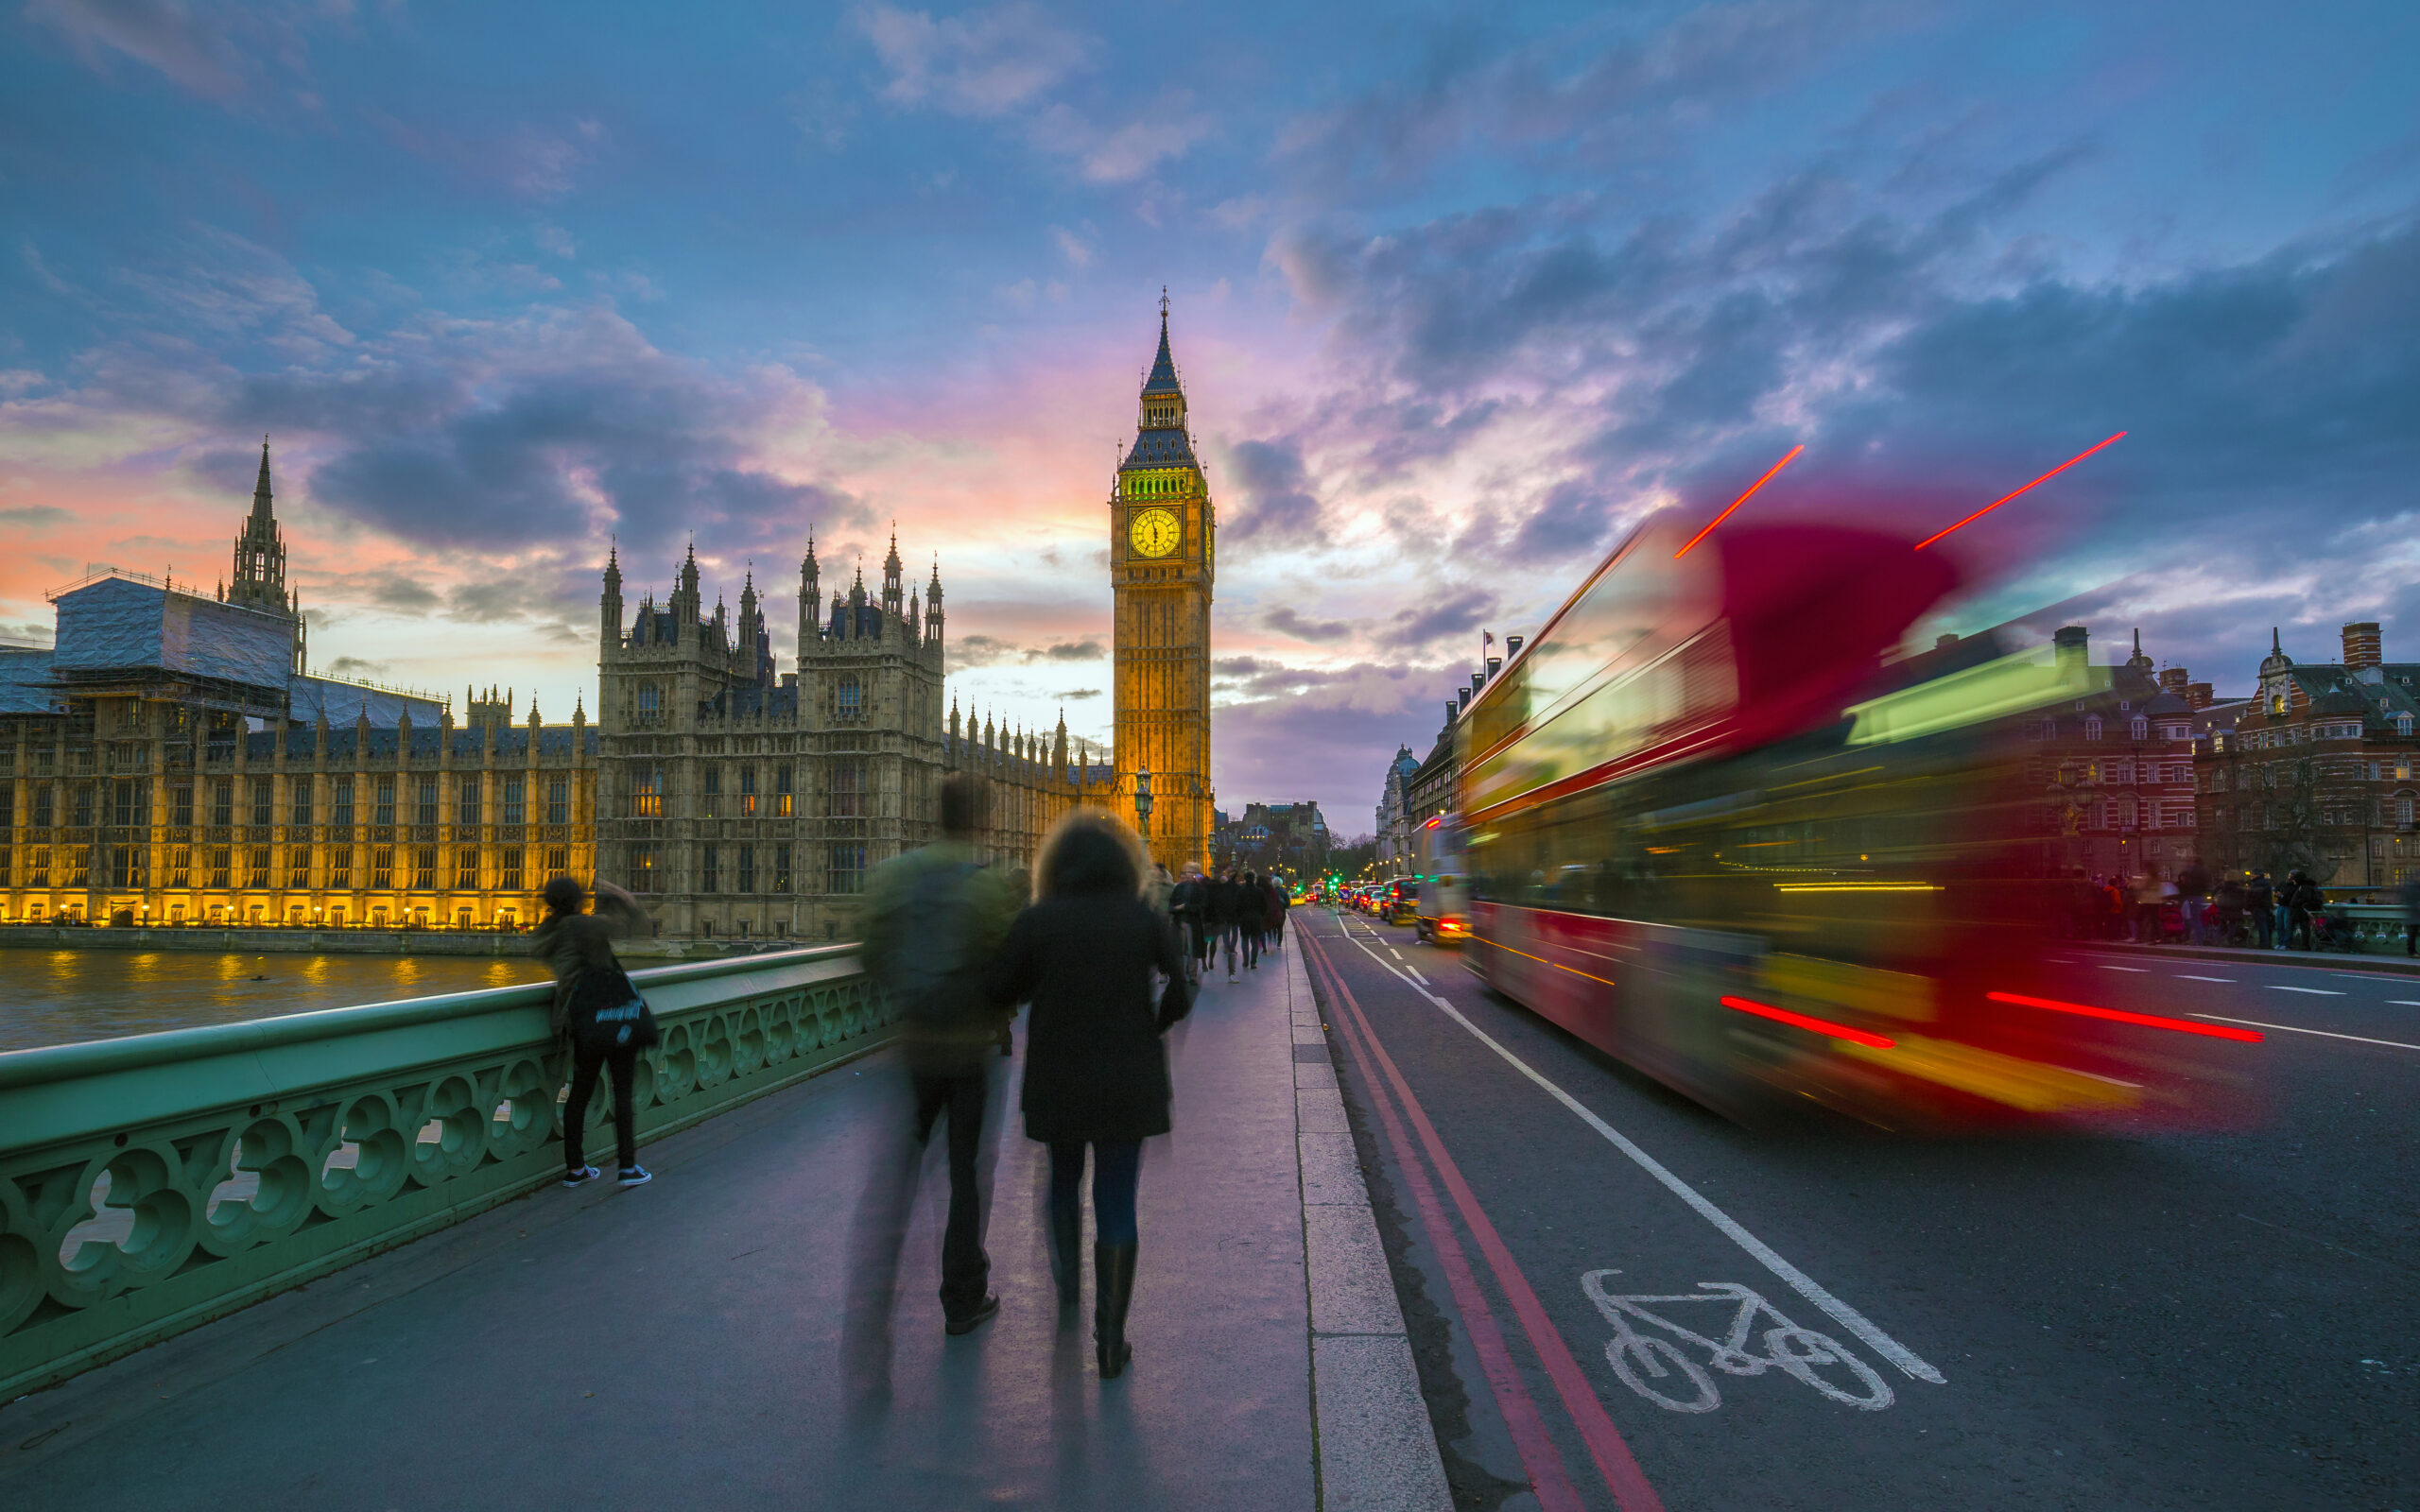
<point x="1718" y="830"/>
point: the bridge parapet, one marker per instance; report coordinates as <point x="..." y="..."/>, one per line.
<point x="152" y="1183"/>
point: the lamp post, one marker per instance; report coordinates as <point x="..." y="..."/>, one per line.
<point x="1143" y="801"/>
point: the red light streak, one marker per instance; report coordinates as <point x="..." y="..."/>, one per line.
<point x="2151" y="1021"/>
<point x="1737" y="502"/>
<point x="1800" y="1021"/>
<point x="2005" y="497"/>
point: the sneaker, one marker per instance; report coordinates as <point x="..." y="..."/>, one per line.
<point x="582" y="1177"/>
<point x="1231" y="977"/>
<point x="636" y="1176"/>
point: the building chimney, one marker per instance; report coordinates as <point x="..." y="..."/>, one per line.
<point x="1452" y="708"/>
<point x="2173" y="680"/>
<point x="2361" y="651"/>
<point x="1494" y="665"/>
<point x="1465" y="700"/>
<point x="2074" y="647"/>
<point x="2199" y="695"/>
<point x="1478" y="680"/>
<point x="1512" y="645"/>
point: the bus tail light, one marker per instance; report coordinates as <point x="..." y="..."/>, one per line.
<point x="2149" y="1020"/>
<point x="1801" y="1021"/>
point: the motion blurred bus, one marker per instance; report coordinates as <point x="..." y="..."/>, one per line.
<point x="1441" y="911"/>
<point x="1718" y="829"/>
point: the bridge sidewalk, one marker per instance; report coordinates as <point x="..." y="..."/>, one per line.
<point x="677" y="1345"/>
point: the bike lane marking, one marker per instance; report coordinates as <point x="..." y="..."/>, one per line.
<point x="1539" y="1457"/>
<point x="1908" y="1363"/>
<point x="1606" y="1445"/>
<point x="2323" y="1034"/>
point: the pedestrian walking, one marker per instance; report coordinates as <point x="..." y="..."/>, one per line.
<point x="2231" y="904"/>
<point x="1251" y="923"/>
<point x="597" y="1015"/>
<point x="1096" y="1075"/>
<point x="2260" y="901"/>
<point x="2301" y="899"/>
<point x="2147" y="902"/>
<point x="1226" y="915"/>
<point x="2193" y="894"/>
<point x="1274" y="915"/>
<point x="1189" y="911"/>
<point x="933" y="920"/>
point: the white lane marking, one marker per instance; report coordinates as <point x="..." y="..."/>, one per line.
<point x="1396" y="953"/>
<point x="2315" y="991"/>
<point x="1798" y="1280"/>
<point x="2136" y="969"/>
<point x="2402" y="1003"/>
<point x="2321" y="1033"/>
<point x="2188" y="976"/>
<point x="2366" y="976"/>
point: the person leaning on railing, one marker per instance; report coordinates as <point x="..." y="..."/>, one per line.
<point x="579" y="948"/>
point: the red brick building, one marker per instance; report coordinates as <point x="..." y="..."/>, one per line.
<point x="2116" y="767"/>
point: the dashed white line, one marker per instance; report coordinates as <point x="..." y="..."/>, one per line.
<point x="2136" y="969"/>
<point x="2188" y="976"/>
<point x="2323" y="1034"/>
<point x="1805" y="1285"/>
<point x="2313" y="991"/>
<point x="2402" y="1003"/>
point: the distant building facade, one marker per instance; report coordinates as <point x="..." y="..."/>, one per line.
<point x="2115" y="768"/>
<point x="1394" y="815"/>
<point x="743" y="802"/>
<point x="1289" y="837"/>
<point x="168" y="760"/>
<point x="2314" y="771"/>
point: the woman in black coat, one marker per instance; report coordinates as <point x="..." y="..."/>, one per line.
<point x="1095" y="1071"/>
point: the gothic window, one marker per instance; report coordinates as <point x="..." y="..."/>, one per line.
<point x="427" y="806"/>
<point x="468" y="804"/>
<point x="384" y="811"/>
<point x="44" y="799"/>
<point x="748" y="797"/>
<point x="424" y="869"/>
<point x="340" y="868"/>
<point x="641" y="870"/>
<point x="782" y="795"/>
<point x="850" y="702"/>
<point x="37" y="867"/>
<point x="80" y="866"/>
<point x="510" y="879"/>
<point x="515" y="804"/>
<point x="341" y="804"/>
<point x="650" y="702"/>
<point x="466" y="868"/>
<point x="647" y="793"/>
<point x="848" y="797"/>
<point x="298" y="867"/>
<point x="257" y="872"/>
<point x="781" y="868"/>
<point x="180" y="805"/>
<point x="218" y="865"/>
<point x="558" y="862"/>
<point x="122" y="869"/>
<point x="747" y="869"/>
<point x="558" y="798"/>
<point x="848" y="868"/>
<point x="710" y="869"/>
<point x="298" y="810"/>
<point x="712" y="796"/>
<point x="382" y="867"/>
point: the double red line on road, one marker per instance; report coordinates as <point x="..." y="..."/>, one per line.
<point x="1613" y="1457"/>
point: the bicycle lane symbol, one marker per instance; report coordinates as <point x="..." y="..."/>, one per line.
<point x="1641" y="1358"/>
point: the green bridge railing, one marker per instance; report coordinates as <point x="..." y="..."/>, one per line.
<point x="152" y="1183"/>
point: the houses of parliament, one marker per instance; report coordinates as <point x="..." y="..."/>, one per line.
<point x="169" y="760"/>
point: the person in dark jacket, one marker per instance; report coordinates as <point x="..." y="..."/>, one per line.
<point x="572" y="941"/>
<point x="1189" y="907"/>
<point x="1225" y="907"/>
<point x="2302" y="900"/>
<point x="1096" y="1072"/>
<point x="1274" y="915"/>
<point x="1248" y="920"/>
<point x="2261" y="899"/>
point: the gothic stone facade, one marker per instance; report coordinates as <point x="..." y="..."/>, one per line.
<point x="168" y="760"/>
<point x="741" y="802"/>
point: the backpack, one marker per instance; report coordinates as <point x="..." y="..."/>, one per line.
<point x="937" y="978"/>
<point x="607" y="1013"/>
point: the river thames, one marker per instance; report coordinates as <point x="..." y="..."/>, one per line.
<point x="51" y="997"/>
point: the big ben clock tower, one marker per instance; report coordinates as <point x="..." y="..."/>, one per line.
<point x="1161" y="538"/>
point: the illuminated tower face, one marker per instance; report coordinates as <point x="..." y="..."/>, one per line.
<point x="1161" y="538"/>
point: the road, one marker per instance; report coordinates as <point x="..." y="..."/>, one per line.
<point x="2157" y="1320"/>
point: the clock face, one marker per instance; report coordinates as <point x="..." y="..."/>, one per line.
<point x="1154" y="532"/>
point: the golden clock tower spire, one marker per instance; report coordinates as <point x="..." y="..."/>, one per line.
<point x="1163" y="536"/>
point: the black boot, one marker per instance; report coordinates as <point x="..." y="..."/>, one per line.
<point x="1114" y="1278"/>
<point x="1067" y="1243"/>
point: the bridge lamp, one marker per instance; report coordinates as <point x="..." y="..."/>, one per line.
<point x="1143" y="800"/>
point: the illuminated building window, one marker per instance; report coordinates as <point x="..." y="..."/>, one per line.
<point x="181" y="867"/>
<point x="298" y="867"/>
<point x="125" y="866"/>
<point x="219" y="859"/>
<point x="80" y="866"/>
<point x="37" y="867"/>
<point x="257" y="872"/>
<point x="642" y="869"/>
<point x="558" y="862"/>
<point x="341" y="870"/>
<point x="382" y="867"/>
<point x="511" y="880"/>
<point x="466" y="868"/>
<point x="782" y="798"/>
<point x="747" y="795"/>
<point x="424" y="869"/>
<point x="646" y="796"/>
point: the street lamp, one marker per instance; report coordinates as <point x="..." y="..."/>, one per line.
<point x="1143" y="801"/>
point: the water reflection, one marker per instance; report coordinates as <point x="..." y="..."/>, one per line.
<point x="51" y="997"/>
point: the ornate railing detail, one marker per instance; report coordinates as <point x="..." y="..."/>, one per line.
<point x="152" y="1183"/>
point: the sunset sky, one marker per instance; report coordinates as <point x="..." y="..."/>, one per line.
<point x="1457" y="293"/>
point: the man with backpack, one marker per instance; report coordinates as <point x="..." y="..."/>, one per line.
<point x="1189" y="908"/>
<point x="933" y="920"/>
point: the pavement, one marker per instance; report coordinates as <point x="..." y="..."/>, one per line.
<point x="2146" y="1318"/>
<point x="678" y="1345"/>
